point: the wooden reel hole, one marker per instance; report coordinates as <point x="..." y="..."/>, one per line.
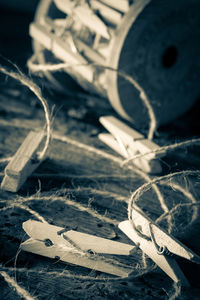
<point x="170" y="57"/>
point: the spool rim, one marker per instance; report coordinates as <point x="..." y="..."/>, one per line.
<point x="156" y="45"/>
<point x="113" y="61"/>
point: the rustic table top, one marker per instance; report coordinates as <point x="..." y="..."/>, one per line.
<point x="85" y="177"/>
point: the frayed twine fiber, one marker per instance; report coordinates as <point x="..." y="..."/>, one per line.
<point x="77" y="205"/>
<point x="145" y="187"/>
<point x="24" y="80"/>
<point x="5" y="160"/>
<point x="137" y="194"/>
<point x="119" y="161"/>
<point x="34" y="67"/>
<point x="15" y="286"/>
<point x="21" y="206"/>
<point x="189" y="196"/>
<point x="177" y="291"/>
<point x="67" y="274"/>
<point x="110" y="157"/>
<point x="168" y="177"/>
<point x="90" y="149"/>
<point x="69" y="140"/>
<point x="164" y="149"/>
<point x="73" y="249"/>
<point x="21" y="200"/>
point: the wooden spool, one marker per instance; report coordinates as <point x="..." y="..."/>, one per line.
<point x="156" y="42"/>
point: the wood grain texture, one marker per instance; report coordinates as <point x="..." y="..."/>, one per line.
<point x="81" y="172"/>
<point x="65" y="255"/>
<point x="166" y="263"/>
<point x="59" y="236"/>
<point x="128" y="142"/>
<point x="23" y="163"/>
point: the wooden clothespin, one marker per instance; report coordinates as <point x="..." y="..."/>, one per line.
<point x="119" y="5"/>
<point x="158" y="245"/>
<point x="85" y="15"/>
<point x="89" y="19"/>
<point x="61" y="49"/>
<point x="74" y="247"/>
<point x="128" y="142"/>
<point x="65" y="6"/>
<point x="23" y="163"/>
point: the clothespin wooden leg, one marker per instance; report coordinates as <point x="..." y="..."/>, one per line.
<point x="23" y="163"/>
<point x="159" y="245"/>
<point x="76" y="247"/>
<point x="129" y="143"/>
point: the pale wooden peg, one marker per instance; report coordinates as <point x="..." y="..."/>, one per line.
<point x="83" y="241"/>
<point x="129" y="142"/>
<point x="158" y="245"/>
<point x="148" y="166"/>
<point x="66" y="6"/>
<point x="99" y="245"/>
<point x="163" y="238"/>
<point x="23" y="163"/>
<point x="166" y="263"/>
<point x="61" y="50"/>
<point x="130" y="136"/>
<point x="90" y="52"/>
<point x="66" y="255"/>
<point x="73" y="247"/>
<point x="110" y="15"/>
<point x="120" y="5"/>
<point x="85" y="15"/>
<point x="89" y="19"/>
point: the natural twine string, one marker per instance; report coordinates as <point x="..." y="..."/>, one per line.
<point x="20" y="200"/>
<point x="56" y="197"/>
<point x="187" y="195"/>
<point x="145" y="187"/>
<point x="21" y="206"/>
<point x="175" y="209"/>
<point x="116" y="160"/>
<point x="145" y="100"/>
<point x="112" y="158"/>
<point x="4" y="160"/>
<point x="164" y="149"/>
<point x="120" y="161"/>
<point x="177" y="291"/>
<point x="35" y="67"/>
<point x="98" y="152"/>
<point x="67" y="139"/>
<point x="15" y="286"/>
<point x="24" y="80"/>
<point x="67" y="274"/>
<point x="139" y="191"/>
<point x="74" y="249"/>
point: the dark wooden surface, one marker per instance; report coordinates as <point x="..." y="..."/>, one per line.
<point x="76" y="116"/>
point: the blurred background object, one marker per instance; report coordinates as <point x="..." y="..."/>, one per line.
<point x="15" y="17"/>
<point x="19" y="5"/>
<point x="154" y="42"/>
<point x="16" y="45"/>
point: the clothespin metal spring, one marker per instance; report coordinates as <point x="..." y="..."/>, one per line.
<point x="161" y="250"/>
